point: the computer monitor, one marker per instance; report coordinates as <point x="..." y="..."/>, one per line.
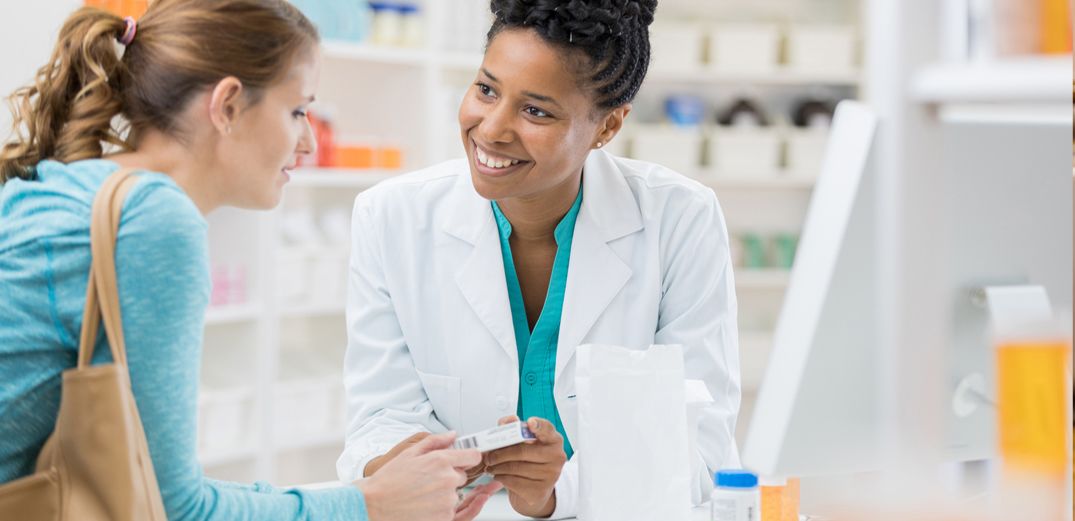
<point x="817" y="408"/>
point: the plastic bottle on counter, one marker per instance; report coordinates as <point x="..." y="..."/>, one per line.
<point x="736" y="496"/>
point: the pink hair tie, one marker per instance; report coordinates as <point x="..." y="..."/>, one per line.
<point x="129" y="31"/>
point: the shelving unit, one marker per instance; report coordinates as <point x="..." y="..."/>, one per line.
<point x="338" y="178"/>
<point x="422" y="57"/>
<point x="1007" y="91"/>
<point x="232" y="314"/>
<point x="409" y="97"/>
<point x="761" y="279"/>
<point x="1026" y="80"/>
<point x="781" y="77"/>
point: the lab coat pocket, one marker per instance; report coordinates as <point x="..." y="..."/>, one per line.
<point x="569" y="416"/>
<point x="444" y="394"/>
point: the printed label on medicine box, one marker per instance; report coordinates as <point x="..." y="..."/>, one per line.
<point x="496" y="438"/>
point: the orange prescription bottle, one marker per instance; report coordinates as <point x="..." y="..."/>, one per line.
<point x="780" y="499"/>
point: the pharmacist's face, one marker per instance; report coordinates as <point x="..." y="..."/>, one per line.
<point x="526" y="123"/>
<point x="269" y="136"/>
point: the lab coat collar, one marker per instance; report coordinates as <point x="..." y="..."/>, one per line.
<point x="606" y="198"/>
<point x="595" y="273"/>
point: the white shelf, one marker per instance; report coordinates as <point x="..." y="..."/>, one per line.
<point x="765" y="181"/>
<point x="767" y="278"/>
<point x="217" y="315"/>
<point x="374" y="54"/>
<point x="313" y="310"/>
<point x="326" y="439"/>
<point x="339" y="177"/>
<point x="224" y="457"/>
<point x="781" y="76"/>
<point x="1017" y="81"/>
<point x="362" y="52"/>
<point x="459" y="60"/>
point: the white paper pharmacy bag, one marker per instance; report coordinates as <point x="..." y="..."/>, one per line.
<point x="632" y="450"/>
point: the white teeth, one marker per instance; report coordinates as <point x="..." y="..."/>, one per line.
<point x="490" y="162"/>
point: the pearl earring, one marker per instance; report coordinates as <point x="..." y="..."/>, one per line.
<point x="599" y="144"/>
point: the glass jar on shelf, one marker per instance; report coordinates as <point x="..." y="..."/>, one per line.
<point x="387" y="23"/>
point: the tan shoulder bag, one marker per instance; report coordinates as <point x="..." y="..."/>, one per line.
<point x="95" y="466"/>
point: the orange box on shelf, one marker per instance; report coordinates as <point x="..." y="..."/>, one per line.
<point x="132" y="8"/>
<point x="389" y="158"/>
<point x="354" y="156"/>
<point x="100" y="4"/>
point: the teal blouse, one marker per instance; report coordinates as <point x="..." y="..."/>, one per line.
<point x="537" y="348"/>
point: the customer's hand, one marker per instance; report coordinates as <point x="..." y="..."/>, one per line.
<point x="473" y="473"/>
<point x="380" y="461"/>
<point x="476" y="472"/>
<point x="419" y="483"/>
<point x="529" y="470"/>
<point x="472" y="504"/>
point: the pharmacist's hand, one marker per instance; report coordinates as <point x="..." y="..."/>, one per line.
<point x="472" y="504"/>
<point x="419" y="483"/>
<point x="476" y="472"/>
<point x="380" y="461"/>
<point x="529" y="470"/>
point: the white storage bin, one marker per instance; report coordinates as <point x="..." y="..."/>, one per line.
<point x="677" y="148"/>
<point x="225" y="419"/>
<point x="293" y="274"/>
<point x="328" y="277"/>
<point x="813" y="49"/>
<point x="744" y="48"/>
<point x="306" y="410"/>
<point x="676" y="48"/>
<point x="806" y="150"/>
<point x="736" y="151"/>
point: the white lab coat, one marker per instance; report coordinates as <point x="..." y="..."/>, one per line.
<point x="430" y="339"/>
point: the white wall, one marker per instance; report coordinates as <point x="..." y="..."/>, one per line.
<point x="27" y="35"/>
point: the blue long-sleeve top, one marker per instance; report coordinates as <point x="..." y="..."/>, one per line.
<point x="163" y="276"/>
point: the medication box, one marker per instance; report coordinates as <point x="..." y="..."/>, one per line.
<point x="496" y="438"/>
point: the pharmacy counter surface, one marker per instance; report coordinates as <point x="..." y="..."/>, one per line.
<point x="498" y="509"/>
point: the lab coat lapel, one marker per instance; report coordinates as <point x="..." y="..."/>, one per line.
<point x="481" y="277"/>
<point x="596" y="274"/>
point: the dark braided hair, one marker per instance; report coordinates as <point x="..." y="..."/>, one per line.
<point x="612" y="34"/>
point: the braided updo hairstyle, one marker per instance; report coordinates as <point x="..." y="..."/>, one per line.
<point x="613" y="36"/>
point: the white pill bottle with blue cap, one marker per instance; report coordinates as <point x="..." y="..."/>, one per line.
<point x="736" y="496"/>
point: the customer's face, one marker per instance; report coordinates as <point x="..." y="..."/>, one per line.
<point x="269" y="136"/>
<point x="527" y="125"/>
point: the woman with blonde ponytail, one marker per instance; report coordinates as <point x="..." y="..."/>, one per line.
<point x="206" y="100"/>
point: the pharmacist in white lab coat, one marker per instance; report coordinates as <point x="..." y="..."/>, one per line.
<point x="473" y="282"/>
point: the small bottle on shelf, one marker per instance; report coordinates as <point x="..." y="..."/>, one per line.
<point x="387" y="24"/>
